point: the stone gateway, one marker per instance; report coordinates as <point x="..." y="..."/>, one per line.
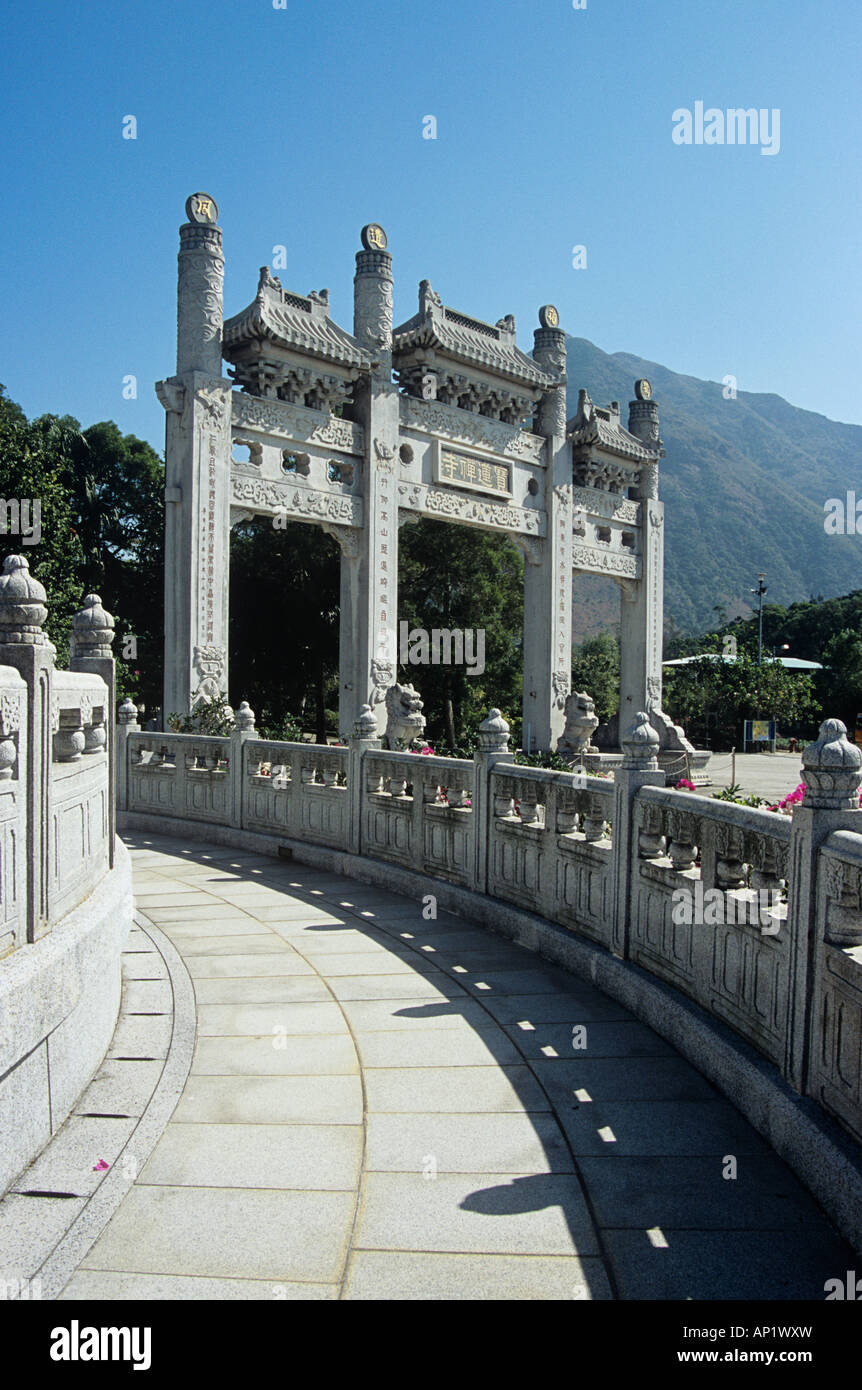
<point x="358" y="433"/>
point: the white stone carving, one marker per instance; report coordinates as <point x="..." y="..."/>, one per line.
<point x="434" y="417"/>
<point x="384" y="455"/>
<point x="581" y="724"/>
<point x="405" y="724"/>
<point x="210" y="662"/>
<point x="10" y="712"/>
<point x="606" y="504"/>
<point x="442" y="502"/>
<point x="211" y="399"/>
<point x="382" y="677"/>
<point x="284" y="497"/>
<point x="560" y="686"/>
<point x="296" y="422"/>
<point x="346" y="536"/>
<point x="588" y="557"/>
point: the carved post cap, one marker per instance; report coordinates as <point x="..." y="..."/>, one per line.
<point x="494" y="734"/>
<point x="832" y="770"/>
<point x="640" y="744"/>
<point x="128" y="712"/>
<point x="366" y="725"/>
<point x="23" y="604"/>
<point x="245" y="718"/>
<point x="93" y="628"/>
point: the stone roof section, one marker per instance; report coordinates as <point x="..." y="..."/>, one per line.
<point x="455" y="336"/>
<point x="298" y="323"/>
<point x="600" y="426"/>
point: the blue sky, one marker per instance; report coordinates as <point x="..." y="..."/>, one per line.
<point x="554" y="129"/>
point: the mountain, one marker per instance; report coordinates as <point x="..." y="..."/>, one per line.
<point x="744" y="484"/>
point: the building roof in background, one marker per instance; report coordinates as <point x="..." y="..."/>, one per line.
<point x="793" y="663"/>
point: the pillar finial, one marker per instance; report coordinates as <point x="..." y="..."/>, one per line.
<point x="494" y="733"/>
<point x="640" y="745"/>
<point x="200" y="289"/>
<point x="23" y="604"/>
<point x="372" y="291"/>
<point x="832" y="769"/>
<point x="93" y="629"/>
<point x="549" y="353"/>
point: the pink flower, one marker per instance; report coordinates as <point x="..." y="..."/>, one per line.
<point x="101" y="1166"/>
<point x="685" y="785"/>
<point x="793" y="798"/>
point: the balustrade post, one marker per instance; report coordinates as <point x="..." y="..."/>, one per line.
<point x="126" y="723"/>
<point x="93" y="633"/>
<point x="364" y="739"/>
<point x="242" y="731"/>
<point x="24" y="645"/>
<point x="832" y="772"/>
<point x="639" y="768"/>
<point x="493" y="748"/>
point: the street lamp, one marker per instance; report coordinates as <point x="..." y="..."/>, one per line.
<point x="760" y="591"/>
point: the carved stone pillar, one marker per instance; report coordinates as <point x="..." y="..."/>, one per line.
<point x="197" y="474"/>
<point x="642" y="605"/>
<point x="369" y="579"/>
<point x="548" y="584"/>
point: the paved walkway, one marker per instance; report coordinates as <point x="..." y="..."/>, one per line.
<point x="381" y="1106"/>
<point x="770" y="775"/>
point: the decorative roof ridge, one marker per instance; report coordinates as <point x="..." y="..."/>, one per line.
<point x="294" y="321"/>
<point x="468" y="339"/>
<point x="593" y="424"/>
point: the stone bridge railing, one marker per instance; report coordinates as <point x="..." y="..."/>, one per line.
<point x="754" y="916"/>
<point x="65" y="886"/>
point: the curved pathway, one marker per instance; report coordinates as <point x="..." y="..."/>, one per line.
<point x="383" y="1106"/>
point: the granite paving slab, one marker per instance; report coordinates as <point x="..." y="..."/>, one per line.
<point x="377" y="1106"/>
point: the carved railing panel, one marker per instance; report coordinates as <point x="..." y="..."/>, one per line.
<point x="419" y="812"/>
<point x="13" y="829"/>
<point x="835" y="1067"/>
<point x="549" y="847"/>
<point x="185" y="775"/>
<point x="79" y="815"/>
<point x="296" y="789"/>
<point x="709" y="910"/>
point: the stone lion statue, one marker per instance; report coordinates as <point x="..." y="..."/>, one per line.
<point x="581" y="724"/>
<point x="405" y="724"/>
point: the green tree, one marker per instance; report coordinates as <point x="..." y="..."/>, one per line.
<point x="284" y="620"/>
<point x="596" y="670"/>
<point x="458" y="577"/>
<point x="116" y="490"/>
<point x="33" y="458"/>
<point x="102" y="516"/>
<point x="711" y="699"/>
<point x="841" y="683"/>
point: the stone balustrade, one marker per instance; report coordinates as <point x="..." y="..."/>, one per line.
<point x="65" y="885"/>
<point x="753" y="916"/>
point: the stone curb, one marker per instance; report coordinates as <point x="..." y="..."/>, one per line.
<point x="809" y="1141"/>
<point x="62" y="1263"/>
